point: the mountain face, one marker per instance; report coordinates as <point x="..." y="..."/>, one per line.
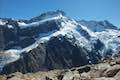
<point x="54" y="41"/>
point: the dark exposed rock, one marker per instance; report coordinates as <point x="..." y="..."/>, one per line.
<point x="10" y="76"/>
<point x="64" y="53"/>
<point x="47" y="78"/>
<point x="111" y="72"/>
<point x="84" y="69"/>
<point x="31" y="62"/>
<point x="11" y="38"/>
<point x="51" y="55"/>
<point x="60" y="77"/>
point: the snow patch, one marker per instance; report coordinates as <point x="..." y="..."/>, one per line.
<point x="10" y="26"/>
<point x="110" y="39"/>
<point x="25" y="25"/>
<point x="8" y="57"/>
<point x="2" y="22"/>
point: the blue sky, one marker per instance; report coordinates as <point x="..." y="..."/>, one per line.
<point x="77" y="9"/>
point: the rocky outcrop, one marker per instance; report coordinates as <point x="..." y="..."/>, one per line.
<point x="111" y="72"/>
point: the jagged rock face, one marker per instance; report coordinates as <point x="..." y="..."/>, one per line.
<point x="15" y="38"/>
<point x="6" y="34"/>
<point x="63" y="54"/>
<point x="55" y="54"/>
<point x="29" y="62"/>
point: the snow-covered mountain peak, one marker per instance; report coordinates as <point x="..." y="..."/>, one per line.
<point x="48" y="14"/>
<point x="46" y="17"/>
<point x="107" y="24"/>
<point x="98" y="26"/>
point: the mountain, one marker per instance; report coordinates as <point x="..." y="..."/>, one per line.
<point x="54" y="41"/>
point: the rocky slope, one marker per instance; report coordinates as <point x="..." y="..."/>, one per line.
<point x="59" y="55"/>
<point x="54" y="41"/>
<point x="105" y="70"/>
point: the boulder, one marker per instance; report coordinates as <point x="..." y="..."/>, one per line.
<point x="112" y="71"/>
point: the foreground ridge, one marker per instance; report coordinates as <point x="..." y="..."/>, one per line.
<point x="106" y="70"/>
